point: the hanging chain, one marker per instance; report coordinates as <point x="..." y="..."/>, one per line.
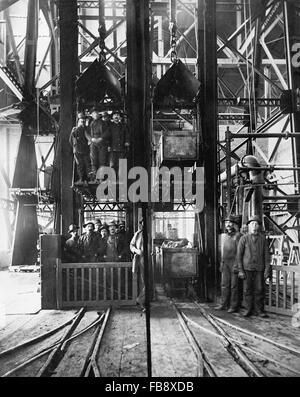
<point x="102" y="31"/>
<point x="173" y="31"/>
<point x="102" y="35"/>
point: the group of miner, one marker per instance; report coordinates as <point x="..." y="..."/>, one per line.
<point x="244" y="256"/>
<point x="98" y="140"/>
<point x="101" y="242"/>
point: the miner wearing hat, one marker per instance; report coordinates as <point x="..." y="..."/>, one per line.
<point x="229" y="268"/>
<point x="103" y="242"/>
<point x="254" y="266"/>
<point x="106" y="118"/>
<point x="81" y="150"/>
<point x="115" y="250"/>
<point x="99" y="137"/>
<point x="72" y="248"/>
<point x="119" y="140"/>
<point x="123" y="236"/>
<point x="89" y="243"/>
<point x="98" y="225"/>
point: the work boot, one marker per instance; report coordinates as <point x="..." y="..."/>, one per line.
<point x="232" y="310"/>
<point x="262" y="314"/>
<point x="220" y="307"/>
<point x="247" y="313"/>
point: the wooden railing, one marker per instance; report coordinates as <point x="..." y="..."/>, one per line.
<point x="95" y="284"/>
<point x="283" y="290"/>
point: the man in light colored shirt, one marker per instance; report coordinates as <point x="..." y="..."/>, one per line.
<point x="228" y="268"/>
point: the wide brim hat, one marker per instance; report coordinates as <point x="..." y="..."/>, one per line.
<point x="89" y="223"/>
<point x="111" y="223"/>
<point x="254" y="218"/>
<point x="73" y="228"/>
<point x="232" y="219"/>
<point x="104" y="227"/>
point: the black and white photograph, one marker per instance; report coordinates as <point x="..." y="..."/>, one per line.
<point x="150" y="191"/>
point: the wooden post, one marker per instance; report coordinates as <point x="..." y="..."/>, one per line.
<point x="50" y="251"/>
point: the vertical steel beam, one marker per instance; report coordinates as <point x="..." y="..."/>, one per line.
<point x="49" y="10"/>
<point x="138" y="109"/>
<point x="291" y="12"/>
<point x="69" y="69"/>
<point x="26" y="232"/>
<point x="26" y="225"/>
<point x="228" y="170"/>
<point x="31" y="46"/>
<point x="13" y="47"/>
<point x="207" y="63"/>
<point x="4" y="4"/>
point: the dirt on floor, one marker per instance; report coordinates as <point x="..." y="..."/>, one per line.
<point x="123" y="351"/>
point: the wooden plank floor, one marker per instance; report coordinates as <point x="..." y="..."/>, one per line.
<point x="123" y="351"/>
<point x="73" y="361"/>
<point x="25" y="328"/>
<point x="172" y="355"/>
<point x="222" y="362"/>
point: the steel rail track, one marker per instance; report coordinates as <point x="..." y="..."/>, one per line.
<point x="91" y="367"/>
<point x="243" y="346"/>
<point x="37" y="338"/>
<point x="260" y="337"/>
<point x="57" y="350"/>
<point x="229" y="344"/>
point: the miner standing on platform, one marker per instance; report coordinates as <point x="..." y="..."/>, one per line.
<point x="229" y="268"/>
<point x="81" y="150"/>
<point x="254" y="267"/>
<point x="99" y="137"/>
<point x="119" y="140"/>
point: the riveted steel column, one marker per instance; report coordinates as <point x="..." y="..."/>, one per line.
<point x="138" y="109"/>
<point x="31" y="45"/>
<point x="207" y="63"/>
<point x="291" y="12"/>
<point x="69" y="69"/>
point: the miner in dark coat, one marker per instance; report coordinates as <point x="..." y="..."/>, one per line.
<point x="99" y="137"/>
<point x="119" y="140"/>
<point x="89" y="243"/>
<point x="81" y="149"/>
<point x="254" y="267"/>
<point x="72" y="249"/>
